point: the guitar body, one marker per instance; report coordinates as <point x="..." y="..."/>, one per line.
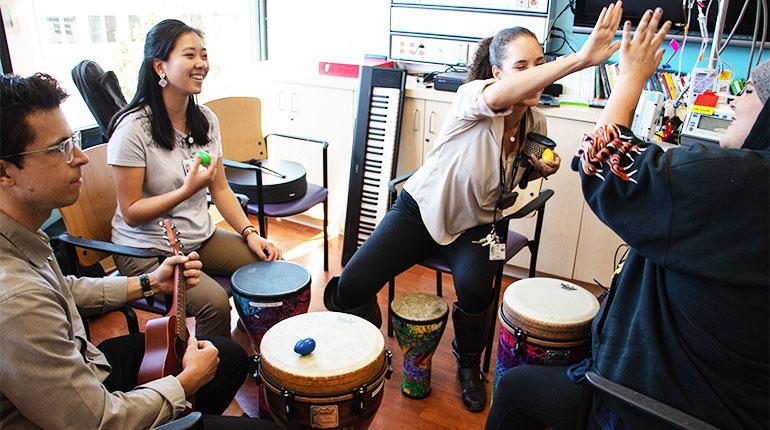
<point x="163" y="350"/>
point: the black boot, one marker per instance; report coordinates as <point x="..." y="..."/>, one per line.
<point x="369" y="311"/>
<point x="468" y="344"/>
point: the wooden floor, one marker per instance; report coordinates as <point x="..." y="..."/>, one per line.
<point x="443" y="409"/>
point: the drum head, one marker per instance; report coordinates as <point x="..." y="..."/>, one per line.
<point x="349" y="353"/>
<point x="419" y="307"/>
<point x="270" y="280"/>
<point x="550" y="308"/>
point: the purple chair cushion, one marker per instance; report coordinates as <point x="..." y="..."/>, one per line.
<point x="315" y="194"/>
<point x="513" y="245"/>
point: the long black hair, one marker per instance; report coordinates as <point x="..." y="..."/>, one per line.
<point x="159" y="43"/>
<point x="491" y="52"/>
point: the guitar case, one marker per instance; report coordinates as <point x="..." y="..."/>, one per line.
<point x="282" y="181"/>
<point x="100" y="90"/>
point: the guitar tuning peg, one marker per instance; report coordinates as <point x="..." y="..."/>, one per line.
<point x="160" y="223"/>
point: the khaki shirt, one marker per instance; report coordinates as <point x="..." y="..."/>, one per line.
<point x="50" y="375"/>
<point x="458" y="186"/>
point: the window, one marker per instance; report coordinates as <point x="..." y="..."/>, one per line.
<point x="53" y="36"/>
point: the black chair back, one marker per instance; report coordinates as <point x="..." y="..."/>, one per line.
<point x="100" y="90"/>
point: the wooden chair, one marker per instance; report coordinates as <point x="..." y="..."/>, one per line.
<point x="244" y="145"/>
<point x="515" y="242"/>
<point x="89" y="227"/>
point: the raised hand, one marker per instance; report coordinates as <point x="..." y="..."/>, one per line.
<point x="640" y="55"/>
<point x="196" y="180"/>
<point x="599" y="46"/>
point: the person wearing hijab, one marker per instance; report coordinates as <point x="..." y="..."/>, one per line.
<point x="686" y="321"/>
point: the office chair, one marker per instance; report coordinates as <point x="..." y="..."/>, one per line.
<point x="89" y="228"/>
<point x="515" y="242"/>
<point x="243" y="142"/>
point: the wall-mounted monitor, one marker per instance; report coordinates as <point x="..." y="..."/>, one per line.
<point x="586" y="12"/>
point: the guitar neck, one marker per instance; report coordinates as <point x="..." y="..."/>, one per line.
<point x="180" y="304"/>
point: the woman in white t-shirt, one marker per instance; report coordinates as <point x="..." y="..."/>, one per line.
<point x="152" y="148"/>
<point x="452" y="201"/>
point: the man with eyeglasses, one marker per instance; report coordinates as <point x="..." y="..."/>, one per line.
<point x="51" y="376"/>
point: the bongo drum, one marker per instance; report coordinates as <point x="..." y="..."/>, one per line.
<point x="338" y="385"/>
<point x="419" y="321"/>
<point x="544" y="321"/>
<point x="266" y="292"/>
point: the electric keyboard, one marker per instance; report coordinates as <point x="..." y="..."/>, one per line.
<point x="375" y="153"/>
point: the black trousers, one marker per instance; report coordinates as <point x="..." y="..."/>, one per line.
<point x="401" y="240"/>
<point x="539" y="397"/>
<point x="125" y="355"/>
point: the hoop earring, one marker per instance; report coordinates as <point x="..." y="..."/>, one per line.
<point x="163" y="82"/>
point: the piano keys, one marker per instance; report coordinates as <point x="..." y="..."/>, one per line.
<point x="375" y="153"/>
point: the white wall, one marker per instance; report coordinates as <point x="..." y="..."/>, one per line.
<point x="312" y="30"/>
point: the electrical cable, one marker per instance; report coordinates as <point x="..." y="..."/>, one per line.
<point x="764" y="29"/>
<point x="735" y="27"/>
<point x="753" y="40"/>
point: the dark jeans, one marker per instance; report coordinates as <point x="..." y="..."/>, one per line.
<point x="538" y="397"/>
<point x="401" y="240"/>
<point x="125" y="355"/>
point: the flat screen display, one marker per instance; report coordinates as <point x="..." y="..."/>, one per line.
<point x="717" y="125"/>
<point x="586" y="12"/>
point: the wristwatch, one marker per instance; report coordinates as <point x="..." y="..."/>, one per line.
<point x="147" y="293"/>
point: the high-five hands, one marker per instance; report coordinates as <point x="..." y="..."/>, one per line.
<point x="640" y="55"/>
<point x="599" y="46"/>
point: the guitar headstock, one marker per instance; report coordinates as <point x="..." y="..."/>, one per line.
<point x="171" y="234"/>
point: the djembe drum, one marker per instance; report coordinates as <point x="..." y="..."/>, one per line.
<point x="544" y="321"/>
<point x="266" y="292"/>
<point x="419" y="321"/>
<point x="338" y="385"/>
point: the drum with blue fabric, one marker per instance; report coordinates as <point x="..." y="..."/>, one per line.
<point x="544" y="321"/>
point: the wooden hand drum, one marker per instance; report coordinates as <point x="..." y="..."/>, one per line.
<point x="544" y="321"/>
<point x="419" y="321"/>
<point x="337" y="385"/>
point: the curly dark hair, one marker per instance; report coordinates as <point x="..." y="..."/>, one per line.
<point x="20" y="97"/>
<point x="491" y="52"/>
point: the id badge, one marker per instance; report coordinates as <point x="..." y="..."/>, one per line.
<point x="497" y="251"/>
<point x="189" y="163"/>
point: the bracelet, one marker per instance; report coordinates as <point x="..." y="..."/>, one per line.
<point x="247" y="231"/>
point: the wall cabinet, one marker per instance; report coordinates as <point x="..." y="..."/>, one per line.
<point x="421" y="121"/>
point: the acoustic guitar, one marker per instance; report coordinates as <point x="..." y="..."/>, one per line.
<point x="165" y="338"/>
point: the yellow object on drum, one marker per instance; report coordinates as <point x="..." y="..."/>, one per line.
<point x="339" y="385"/>
<point x="547" y="155"/>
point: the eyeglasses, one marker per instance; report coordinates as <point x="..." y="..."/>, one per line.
<point x="66" y="147"/>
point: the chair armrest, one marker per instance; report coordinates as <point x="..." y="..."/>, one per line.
<point x="646" y="404"/>
<point x="193" y="420"/>
<point x="243" y="200"/>
<point x="239" y="165"/>
<point x="536" y="204"/>
<point x="131" y="320"/>
<point x="324" y="144"/>
<point x="108" y="247"/>
<point x="392" y="192"/>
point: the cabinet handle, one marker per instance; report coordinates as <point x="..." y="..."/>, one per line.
<point x="415" y="118"/>
<point x="294" y="102"/>
<point x="430" y="121"/>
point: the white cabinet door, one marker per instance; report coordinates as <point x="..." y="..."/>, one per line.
<point x="563" y="212"/>
<point x="412" y="135"/>
<point x="596" y="250"/>
<point x="318" y="113"/>
<point x="435" y="114"/>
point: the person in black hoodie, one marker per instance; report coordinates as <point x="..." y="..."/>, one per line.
<point x="686" y="321"/>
